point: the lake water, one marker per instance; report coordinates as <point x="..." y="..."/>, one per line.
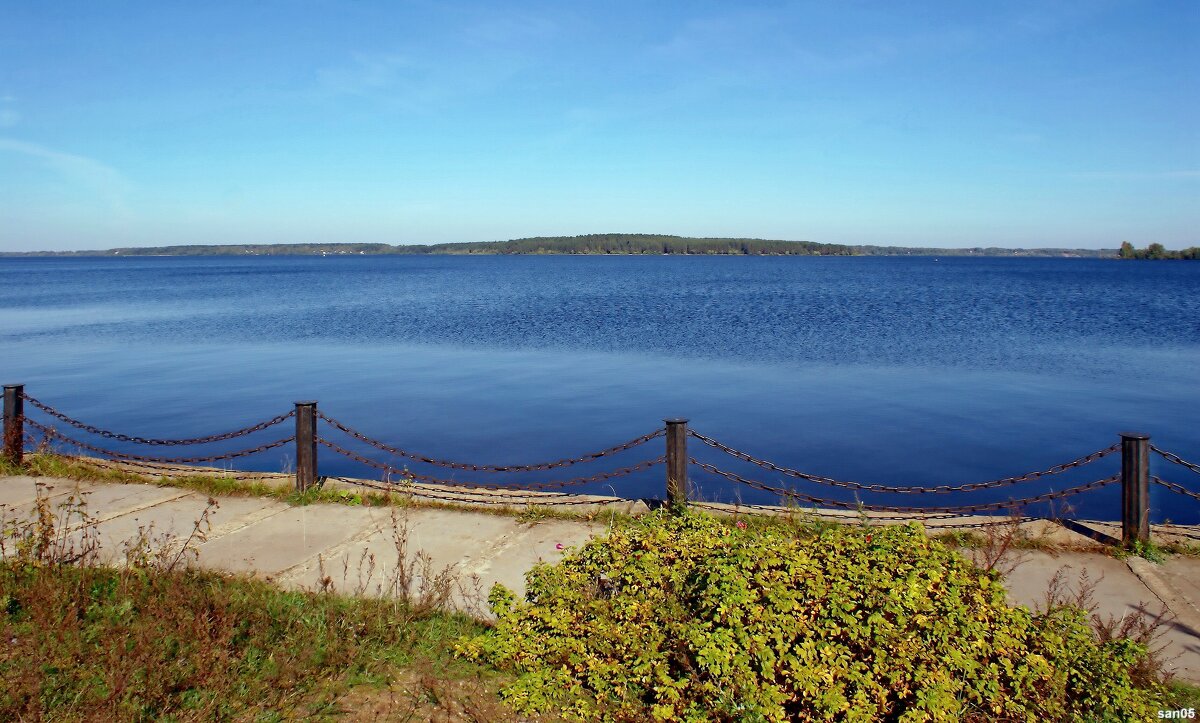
<point x="892" y="370"/>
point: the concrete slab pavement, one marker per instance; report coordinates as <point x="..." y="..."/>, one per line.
<point x="287" y="539"/>
<point x="22" y="491"/>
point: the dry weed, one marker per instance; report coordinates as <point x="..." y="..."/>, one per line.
<point x="412" y="577"/>
<point x="1141" y="625"/>
<point x="167" y="551"/>
<point x="62" y="534"/>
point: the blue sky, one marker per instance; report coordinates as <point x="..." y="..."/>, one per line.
<point x="942" y="124"/>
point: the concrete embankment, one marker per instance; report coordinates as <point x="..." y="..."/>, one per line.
<point x="356" y="549"/>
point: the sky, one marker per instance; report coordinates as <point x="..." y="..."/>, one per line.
<point x="946" y="124"/>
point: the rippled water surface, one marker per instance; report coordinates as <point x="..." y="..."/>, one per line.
<point x="894" y="370"/>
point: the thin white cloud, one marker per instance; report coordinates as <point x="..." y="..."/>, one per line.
<point x="365" y="73"/>
<point x="507" y="30"/>
<point x="400" y="82"/>
<point x="760" y="41"/>
<point x="104" y="181"/>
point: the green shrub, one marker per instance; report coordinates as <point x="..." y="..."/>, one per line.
<point x="685" y="617"/>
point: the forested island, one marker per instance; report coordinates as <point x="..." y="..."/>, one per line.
<point x="591" y="244"/>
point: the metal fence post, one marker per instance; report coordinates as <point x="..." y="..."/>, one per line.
<point x="14" y="422"/>
<point x="677" y="462"/>
<point x="1135" y="488"/>
<point x="306" y="445"/>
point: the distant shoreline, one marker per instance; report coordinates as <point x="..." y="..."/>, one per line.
<point x="1026" y="254"/>
<point x="588" y="245"/>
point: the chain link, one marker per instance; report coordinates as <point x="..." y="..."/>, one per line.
<point x="1191" y="532"/>
<point x="480" y="498"/>
<point x="157" y="442"/>
<point x="986" y="507"/>
<point x="541" y="466"/>
<point x="147" y="469"/>
<point x="51" y="432"/>
<point x="941" y="489"/>
<point x="1178" y="489"/>
<point x="828" y="514"/>
<point x="1172" y="457"/>
<point x="823" y="514"/>
<point x="982" y="525"/>
<point x="927" y="520"/>
<point x="459" y="483"/>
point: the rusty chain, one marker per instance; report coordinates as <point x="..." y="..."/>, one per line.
<point x="1178" y="489"/>
<point x="459" y="483"/>
<point x="406" y="484"/>
<point x="157" y="442"/>
<point x="941" y="489"/>
<point x="541" y="466"/>
<point x="980" y="525"/>
<point x="1172" y="524"/>
<point x="828" y="513"/>
<point x="1172" y="457"/>
<point x="480" y="499"/>
<point x="1191" y="532"/>
<point x="927" y="520"/>
<point x="823" y="514"/>
<point x="51" y="432"/>
<point x="146" y="469"/>
<point x="985" y="507"/>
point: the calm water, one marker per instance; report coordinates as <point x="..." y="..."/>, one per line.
<point x="892" y="370"/>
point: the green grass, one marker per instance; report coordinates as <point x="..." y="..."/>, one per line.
<point x="1149" y="550"/>
<point x="155" y="639"/>
<point x="1182" y="695"/>
<point x="972" y="539"/>
<point x="105" y="644"/>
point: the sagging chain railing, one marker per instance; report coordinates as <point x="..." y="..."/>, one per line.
<point x="407" y="474"/>
<point x="158" y="442"/>
<point x="15" y="422"/>
<point x="51" y="433"/>
<point x="959" y="510"/>
<point x="911" y="489"/>
<point x="1134" y="476"/>
<point x="306" y="442"/>
<point x="468" y="467"/>
<point x="426" y="486"/>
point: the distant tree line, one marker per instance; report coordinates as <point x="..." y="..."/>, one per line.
<point x="653" y="244"/>
<point x="591" y="244"/>
<point x="1156" y="251"/>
